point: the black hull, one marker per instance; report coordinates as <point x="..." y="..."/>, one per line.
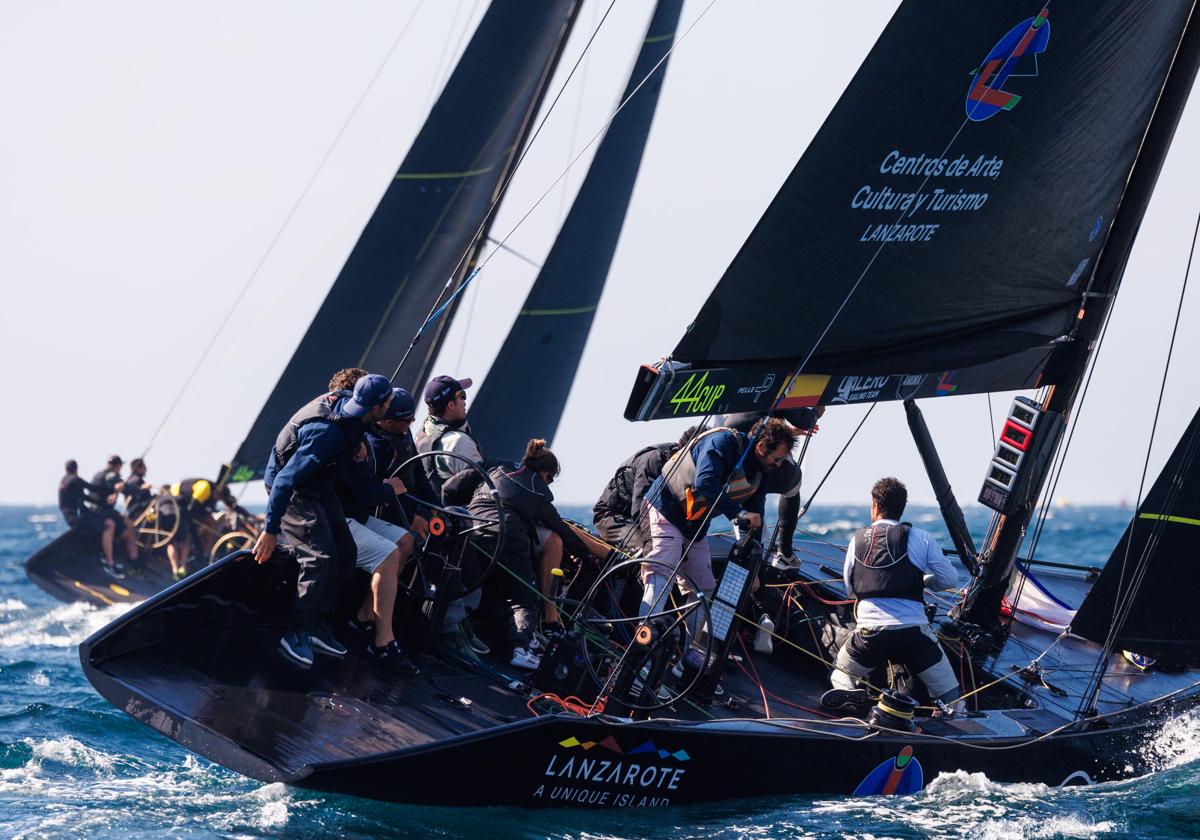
<point x="198" y="664"/>
<point x="69" y="568"/>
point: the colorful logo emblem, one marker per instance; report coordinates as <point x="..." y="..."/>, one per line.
<point x="901" y="775"/>
<point x="1020" y="48"/>
<point x="610" y="744"/>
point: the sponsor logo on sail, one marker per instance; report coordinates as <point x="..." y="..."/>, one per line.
<point x="758" y="390"/>
<point x="909" y="386"/>
<point x="854" y="389"/>
<point x="1014" y="56"/>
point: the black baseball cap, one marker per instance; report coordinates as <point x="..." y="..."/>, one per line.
<point x="441" y="389"/>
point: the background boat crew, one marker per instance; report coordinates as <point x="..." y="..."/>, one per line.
<point x="527" y="504"/>
<point x="784" y="481"/>
<point x="383" y="548"/>
<point x="616" y="512"/>
<point x="446" y="429"/>
<point x="692" y="489"/>
<point x="888" y="564"/>
<point x="103" y="506"/>
<point x="302" y="504"/>
<point x="137" y="492"/>
<point x="193" y="496"/>
<point x="237" y="518"/>
<point x="78" y="500"/>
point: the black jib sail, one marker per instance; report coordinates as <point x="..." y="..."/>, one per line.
<point x="941" y="230"/>
<point x="1139" y="598"/>
<point x="527" y="386"/>
<point x="430" y="217"/>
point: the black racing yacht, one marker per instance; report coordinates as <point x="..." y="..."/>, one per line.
<point x="959" y="225"/>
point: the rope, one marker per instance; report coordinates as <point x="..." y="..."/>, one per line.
<point x="237" y="301"/>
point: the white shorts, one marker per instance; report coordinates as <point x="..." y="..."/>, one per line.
<point x="375" y="541"/>
<point x="667" y="544"/>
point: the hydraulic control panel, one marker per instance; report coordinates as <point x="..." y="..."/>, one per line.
<point x="1027" y="440"/>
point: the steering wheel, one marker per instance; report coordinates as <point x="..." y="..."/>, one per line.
<point x="643" y="662"/>
<point x="229" y="543"/>
<point x="440" y="559"/>
<point x="158" y="524"/>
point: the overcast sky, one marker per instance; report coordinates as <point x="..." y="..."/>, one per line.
<point x="155" y="158"/>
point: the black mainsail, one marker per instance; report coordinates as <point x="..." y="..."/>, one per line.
<point x="432" y="218"/>
<point x="942" y="231"/>
<point x="527" y="387"/>
<point x="1141" y="597"/>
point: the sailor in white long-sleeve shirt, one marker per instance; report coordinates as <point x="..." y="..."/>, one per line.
<point x="888" y="565"/>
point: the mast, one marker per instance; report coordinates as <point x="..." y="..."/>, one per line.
<point x="1068" y="363"/>
<point x="529" y="382"/>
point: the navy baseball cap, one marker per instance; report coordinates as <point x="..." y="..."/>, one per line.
<point x="441" y="389"/>
<point x="370" y="391"/>
<point x="403" y="406"/>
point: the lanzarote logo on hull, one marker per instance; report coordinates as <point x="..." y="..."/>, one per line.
<point x="1013" y="57"/>
<point x="602" y="773"/>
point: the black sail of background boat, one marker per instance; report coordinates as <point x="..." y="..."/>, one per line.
<point x="960" y="224"/>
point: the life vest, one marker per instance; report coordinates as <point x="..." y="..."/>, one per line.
<point x="882" y="568"/>
<point x="199" y="489"/>
<point x="680" y="475"/>
<point x="430" y="440"/>
<point x="617" y="498"/>
<point x="320" y="410"/>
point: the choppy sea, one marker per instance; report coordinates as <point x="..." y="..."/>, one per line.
<point x="71" y="765"/>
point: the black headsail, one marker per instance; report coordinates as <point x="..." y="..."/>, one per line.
<point x="1160" y="618"/>
<point x="947" y="218"/>
<point x="527" y="387"/>
<point x="428" y="223"/>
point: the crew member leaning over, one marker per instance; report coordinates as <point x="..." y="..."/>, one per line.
<point x="693" y="488"/>
<point x="304" y="505"/>
<point x="888" y="564"/>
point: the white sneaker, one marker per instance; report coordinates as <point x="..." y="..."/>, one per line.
<point x="522" y="658"/>
<point x="762" y="640"/>
<point x="784" y="562"/>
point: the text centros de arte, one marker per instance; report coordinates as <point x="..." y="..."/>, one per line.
<point x="924" y="198"/>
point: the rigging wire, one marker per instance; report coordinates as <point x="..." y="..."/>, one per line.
<point x="824" y="478"/>
<point x="1124" y="600"/>
<point x="237" y="301"/>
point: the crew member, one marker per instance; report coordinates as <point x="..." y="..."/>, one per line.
<point x="392" y="443"/>
<point x="103" y="506"/>
<point x="137" y="492"/>
<point x="784" y="481"/>
<point x="616" y="512"/>
<point x="73" y="490"/>
<point x="710" y="476"/>
<point x="300" y="477"/>
<point x="527" y="505"/>
<point x="192" y="496"/>
<point x="383" y="548"/>
<point x="345" y="379"/>
<point x="887" y="566"/>
<point x="446" y="429"/>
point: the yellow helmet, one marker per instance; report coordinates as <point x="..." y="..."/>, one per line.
<point x="201" y="491"/>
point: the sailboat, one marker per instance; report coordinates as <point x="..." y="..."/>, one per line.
<point x="419" y="249"/>
<point x="959" y="225"/>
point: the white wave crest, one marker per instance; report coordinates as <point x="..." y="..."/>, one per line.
<point x="1175" y="744"/>
<point x="1067" y="825"/>
<point x="61" y="626"/>
<point x="12" y="605"/>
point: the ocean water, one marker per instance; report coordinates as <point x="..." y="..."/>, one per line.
<point x="73" y="766"/>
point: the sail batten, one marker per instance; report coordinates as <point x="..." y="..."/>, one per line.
<point x="426" y="231"/>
